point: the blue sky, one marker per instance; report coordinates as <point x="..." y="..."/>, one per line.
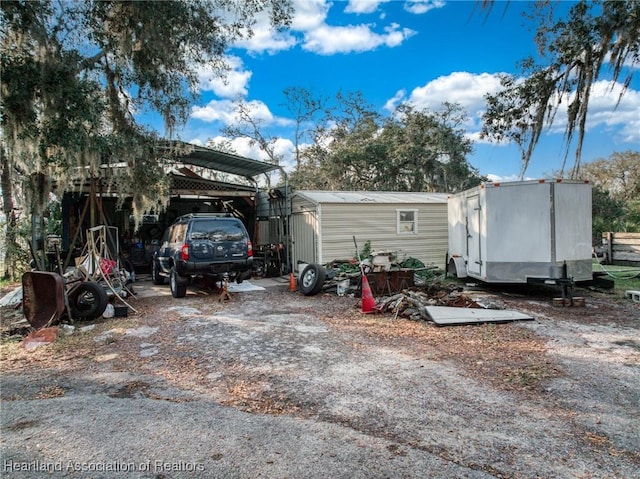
<point x="422" y="52"/>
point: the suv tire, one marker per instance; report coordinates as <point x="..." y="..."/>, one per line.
<point x="155" y="274"/>
<point x="177" y="283"/>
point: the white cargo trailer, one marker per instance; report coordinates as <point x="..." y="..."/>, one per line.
<point x="521" y="232"/>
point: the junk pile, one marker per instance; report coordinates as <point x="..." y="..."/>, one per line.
<point x="412" y="303"/>
<point x="345" y="276"/>
<point x="446" y="306"/>
<point x="96" y="286"/>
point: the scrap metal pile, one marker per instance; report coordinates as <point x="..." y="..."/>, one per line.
<point x="84" y="291"/>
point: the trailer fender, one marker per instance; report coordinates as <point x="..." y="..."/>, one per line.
<point x="457" y="265"/>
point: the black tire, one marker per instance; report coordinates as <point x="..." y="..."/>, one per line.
<point x="312" y="279"/>
<point x="239" y="278"/>
<point x="88" y="300"/>
<point x="178" y="290"/>
<point x="155" y="273"/>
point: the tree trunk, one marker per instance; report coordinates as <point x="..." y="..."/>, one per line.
<point x="11" y="244"/>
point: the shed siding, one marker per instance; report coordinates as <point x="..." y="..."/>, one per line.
<point x="377" y="223"/>
<point x="305" y="242"/>
<point x="304" y="229"/>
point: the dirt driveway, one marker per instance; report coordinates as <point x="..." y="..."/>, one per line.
<point x="274" y="384"/>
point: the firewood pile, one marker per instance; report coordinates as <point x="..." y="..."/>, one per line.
<point x="412" y="303"/>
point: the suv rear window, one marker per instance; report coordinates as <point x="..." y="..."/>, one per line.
<point x="217" y="230"/>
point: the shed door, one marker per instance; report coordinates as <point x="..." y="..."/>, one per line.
<point x="304" y="226"/>
<point x="474" y="265"/>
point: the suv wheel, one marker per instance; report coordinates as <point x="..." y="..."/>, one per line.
<point x="178" y="290"/>
<point x="155" y="274"/>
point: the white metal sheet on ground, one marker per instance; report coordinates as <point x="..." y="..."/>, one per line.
<point x="449" y="316"/>
<point x="243" y="287"/>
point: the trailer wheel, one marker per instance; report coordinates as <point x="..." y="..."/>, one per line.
<point x="88" y="300"/>
<point x="312" y="279"/>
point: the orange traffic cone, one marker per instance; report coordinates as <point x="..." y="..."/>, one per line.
<point x="292" y="282"/>
<point x="368" y="301"/>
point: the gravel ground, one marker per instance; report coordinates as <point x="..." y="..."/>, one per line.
<point x="275" y="384"/>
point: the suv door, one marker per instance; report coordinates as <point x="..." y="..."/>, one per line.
<point x="171" y="242"/>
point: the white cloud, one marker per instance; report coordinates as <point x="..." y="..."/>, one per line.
<point x="419" y="7"/>
<point x="265" y="40"/>
<point x="328" y="40"/>
<point x="196" y="141"/>
<point x="225" y="111"/>
<point x="363" y="6"/>
<point x="503" y="179"/>
<point x="465" y="88"/>
<point x="232" y="86"/>
<point x="468" y="90"/>
<point x="625" y="118"/>
<point x="310" y="20"/>
<point x="393" y="102"/>
<point x="309" y="14"/>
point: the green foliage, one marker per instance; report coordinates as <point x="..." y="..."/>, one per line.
<point x="616" y="193"/>
<point x="607" y="214"/>
<point x="74" y="73"/>
<point x="574" y="51"/>
<point x="365" y="253"/>
<point x="408" y="151"/>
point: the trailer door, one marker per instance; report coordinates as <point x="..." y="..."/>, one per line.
<point x="474" y="266"/>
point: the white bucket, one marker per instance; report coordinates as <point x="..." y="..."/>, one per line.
<point x="343" y="287"/>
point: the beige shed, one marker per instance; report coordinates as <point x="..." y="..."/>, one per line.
<point x="323" y="224"/>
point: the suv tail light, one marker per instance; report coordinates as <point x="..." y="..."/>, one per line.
<point x="184" y="252"/>
<point x="249" y="249"/>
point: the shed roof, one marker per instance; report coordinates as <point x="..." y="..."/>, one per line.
<point x="361" y="197"/>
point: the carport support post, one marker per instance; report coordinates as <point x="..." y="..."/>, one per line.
<point x="287" y="216"/>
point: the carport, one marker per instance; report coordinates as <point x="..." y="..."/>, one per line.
<point x="195" y="187"/>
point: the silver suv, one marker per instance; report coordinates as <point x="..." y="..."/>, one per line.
<point x="205" y="244"/>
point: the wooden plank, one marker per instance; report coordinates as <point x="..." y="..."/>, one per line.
<point x="635" y="236"/>
<point x="626" y="242"/>
<point x="625" y="256"/>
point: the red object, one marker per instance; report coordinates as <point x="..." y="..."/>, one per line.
<point x="107" y="265"/>
<point x="368" y="301"/>
<point x="292" y="282"/>
<point x="40" y="338"/>
<point x="184" y="252"/>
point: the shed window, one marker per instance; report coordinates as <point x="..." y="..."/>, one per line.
<point x="407" y="221"/>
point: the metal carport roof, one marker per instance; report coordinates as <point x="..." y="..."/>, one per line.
<point x="222" y="161"/>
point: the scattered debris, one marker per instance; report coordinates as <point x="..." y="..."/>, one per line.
<point x="14" y="298"/>
<point x="633" y="296"/>
<point x="41" y="337"/>
<point x="577" y="301"/>
<point x="412" y="303"/>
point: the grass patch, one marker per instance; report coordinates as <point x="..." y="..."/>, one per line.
<point x="625" y="277"/>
